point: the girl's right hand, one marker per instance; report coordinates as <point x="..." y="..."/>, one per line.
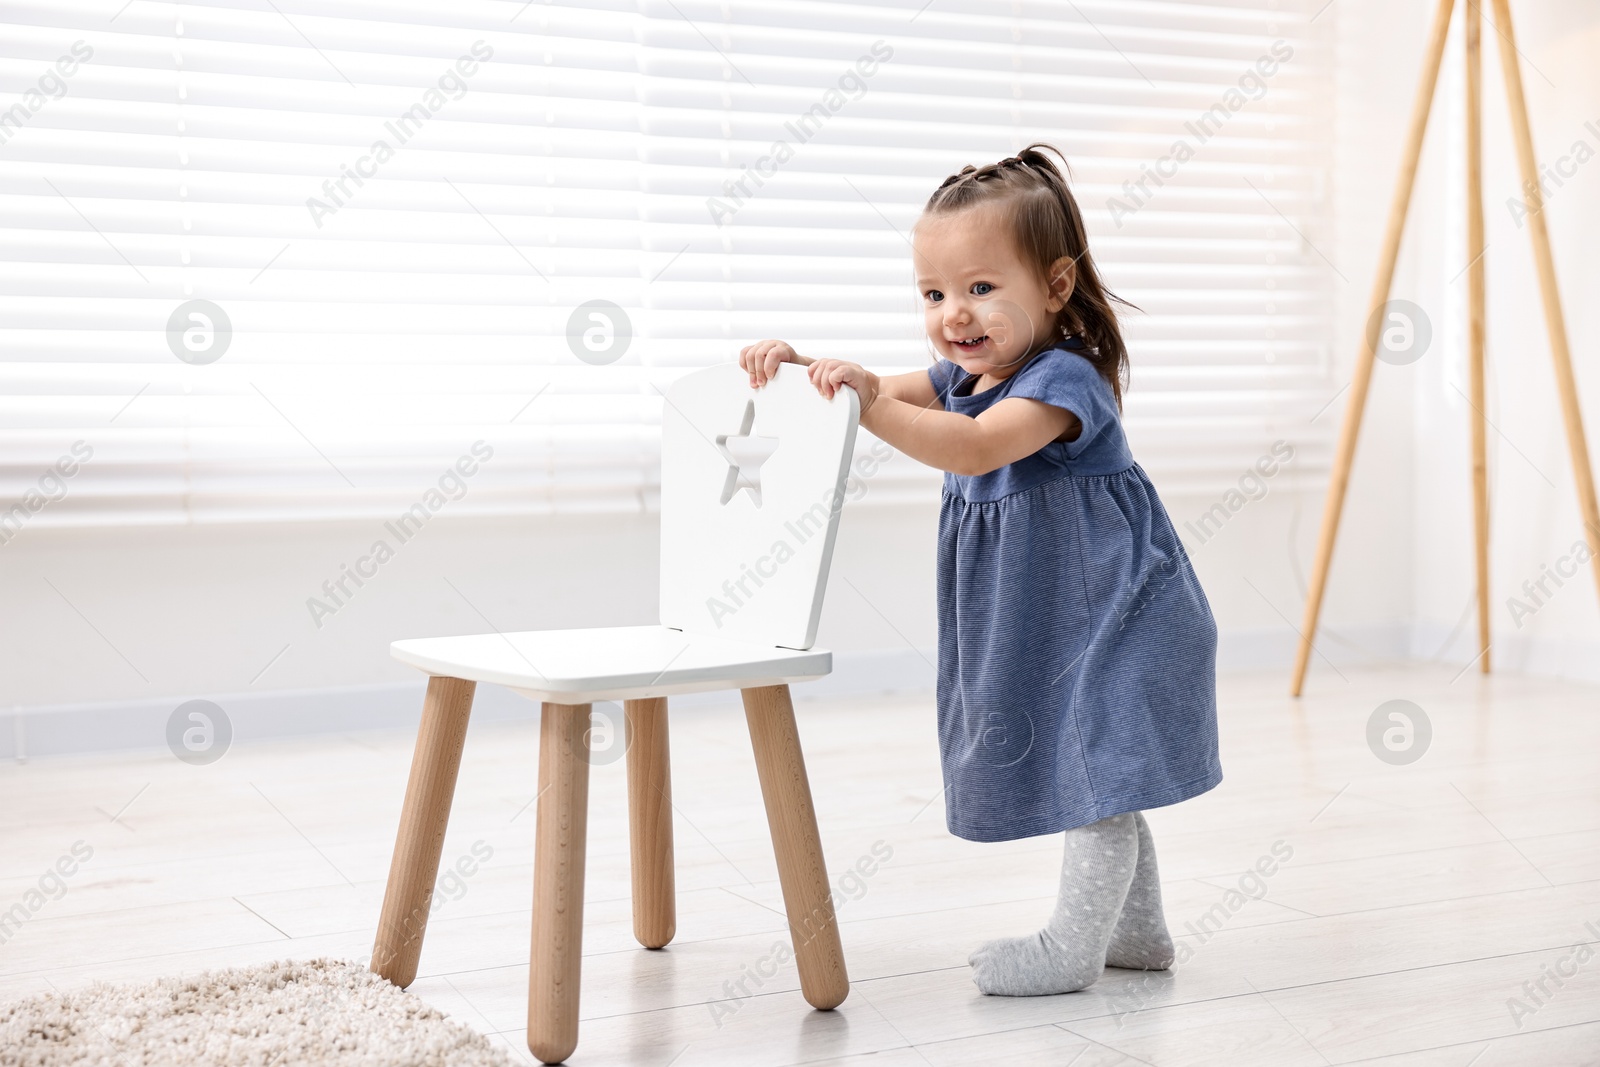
<point x="761" y="360"/>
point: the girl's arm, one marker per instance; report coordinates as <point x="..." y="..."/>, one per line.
<point x="762" y="358"/>
<point x="905" y="411"/>
<point x="913" y="388"/>
<point x="1013" y="429"/>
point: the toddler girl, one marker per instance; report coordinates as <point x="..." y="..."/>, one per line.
<point x="1076" y="680"/>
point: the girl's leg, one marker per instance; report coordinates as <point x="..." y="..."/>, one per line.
<point x="1140" y="940"/>
<point x="1070" y="952"/>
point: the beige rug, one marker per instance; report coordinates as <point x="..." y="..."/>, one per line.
<point x="325" y="1013"/>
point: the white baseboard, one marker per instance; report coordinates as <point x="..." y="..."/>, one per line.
<point x="141" y="724"/>
<point x="1573" y="660"/>
<point x="1272" y="648"/>
<point x="66" y="729"/>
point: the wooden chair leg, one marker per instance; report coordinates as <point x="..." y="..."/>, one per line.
<point x="563" y="816"/>
<point x="429" y="790"/>
<point x="650" y="821"/>
<point x="793" y="821"/>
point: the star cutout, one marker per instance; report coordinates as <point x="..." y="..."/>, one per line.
<point x="745" y="454"/>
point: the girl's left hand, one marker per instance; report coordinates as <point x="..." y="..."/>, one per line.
<point x="828" y="374"/>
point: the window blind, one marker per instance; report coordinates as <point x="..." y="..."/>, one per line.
<point x="305" y="260"/>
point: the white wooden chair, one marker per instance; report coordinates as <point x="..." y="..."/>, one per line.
<point x="751" y="486"/>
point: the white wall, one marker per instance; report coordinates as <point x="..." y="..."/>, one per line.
<point x="1534" y="518"/>
<point x="196" y="610"/>
<point x="203" y="610"/>
<point x="1402" y="577"/>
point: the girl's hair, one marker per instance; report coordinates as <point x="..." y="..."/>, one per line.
<point x="1047" y="226"/>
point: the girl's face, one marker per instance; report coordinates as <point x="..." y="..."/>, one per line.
<point x="984" y="308"/>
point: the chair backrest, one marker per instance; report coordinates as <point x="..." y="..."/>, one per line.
<point x="752" y="482"/>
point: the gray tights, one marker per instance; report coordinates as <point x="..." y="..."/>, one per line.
<point x="1108" y="913"/>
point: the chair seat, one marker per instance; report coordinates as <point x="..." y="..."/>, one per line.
<point x="611" y="662"/>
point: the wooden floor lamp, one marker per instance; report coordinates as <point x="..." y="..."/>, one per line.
<point x="1554" y="322"/>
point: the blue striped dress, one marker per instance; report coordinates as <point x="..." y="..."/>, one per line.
<point x="1077" y="653"/>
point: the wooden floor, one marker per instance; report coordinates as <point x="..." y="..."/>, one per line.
<point x="1417" y="907"/>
